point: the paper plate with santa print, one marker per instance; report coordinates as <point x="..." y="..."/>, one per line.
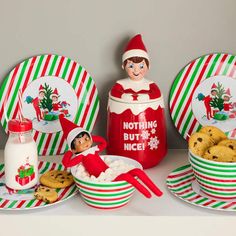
<point x="24" y="199"/>
<point x="204" y="93"/>
<point x="50" y="85"/>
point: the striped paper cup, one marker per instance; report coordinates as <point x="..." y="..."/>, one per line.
<point x="216" y="179"/>
<point x="106" y="195"/>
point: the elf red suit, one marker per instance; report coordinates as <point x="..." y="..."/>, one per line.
<point x="79" y="139"/>
<point x="56" y="106"/>
<point x="36" y="103"/>
<point x="227" y="103"/>
<point x="146" y="88"/>
<point x="207" y="102"/>
<point x="88" y="157"/>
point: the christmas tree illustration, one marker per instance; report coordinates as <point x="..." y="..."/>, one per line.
<point x="218" y="102"/>
<point x="46" y="102"/>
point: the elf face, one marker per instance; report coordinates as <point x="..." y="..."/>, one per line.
<point x="136" y="71"/>
<point x="226" y="98"/>
<point x="82" y="143"/>
<point x="54" y="99"/>
<point x="213" y="93"/>
<point x="41" y="95"/>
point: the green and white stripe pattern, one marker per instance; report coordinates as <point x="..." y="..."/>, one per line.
<point x="180" y="183"/>
<point x="105" y="195"/>
<point x="61" y="67"/>
<point x="186" y="83"/>
<point x="217" y="179"/>
<point x="63" y="194"/>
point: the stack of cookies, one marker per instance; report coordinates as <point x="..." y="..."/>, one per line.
<point x="212" y="144"/>
<point x="50" y="181"/>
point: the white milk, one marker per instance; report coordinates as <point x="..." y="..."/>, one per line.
<point x="21" y="154"/>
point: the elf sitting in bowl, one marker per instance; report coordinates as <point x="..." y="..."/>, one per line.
<point x="80" y="142"/>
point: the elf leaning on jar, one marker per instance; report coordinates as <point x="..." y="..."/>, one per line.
<point x="136" y="122"/>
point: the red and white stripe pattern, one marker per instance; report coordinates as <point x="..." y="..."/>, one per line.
<point x="180" y="181"/>
<point x="20" y="112"/>
<point x="105" y="195"/>
<point x="186" y="83"/>
<point x="63" y="194"/>
<point x="61" y="67"/>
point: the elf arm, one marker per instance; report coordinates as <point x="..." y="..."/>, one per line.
<point x="68" y="160"/>
<point x="102" y="142"/>
<point x="153" y="92"/>
<point x="119" y="92"/>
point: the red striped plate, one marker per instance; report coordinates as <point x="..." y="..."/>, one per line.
<point x="193" y="83"/>
<point x="75" y="95"/>
<point x="182" y="183"/>
<point x="27" y="201"/>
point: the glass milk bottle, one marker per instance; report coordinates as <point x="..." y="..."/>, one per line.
<point x="20" y="156"/>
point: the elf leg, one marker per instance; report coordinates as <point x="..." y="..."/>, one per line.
<point x="130" y="179"/>
<point x="146" y="180"/>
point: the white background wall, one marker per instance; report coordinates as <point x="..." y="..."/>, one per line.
<point x="94" y="33"/>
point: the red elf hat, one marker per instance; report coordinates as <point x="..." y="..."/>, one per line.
<point x="41" y="88"/>
<point x="55" y="93"/>
<point x="70" y="129"/>
<point x="135" y="48"/>
<point x="213" y="87"/>
<point x="227" y="93"/>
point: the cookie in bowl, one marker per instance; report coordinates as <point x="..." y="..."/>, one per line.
<point x="216" y="134"/>
<point x="199" y="143"/>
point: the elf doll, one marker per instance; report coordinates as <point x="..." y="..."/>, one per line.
<point x="80" y="142"/>
<point x="135" y="61"/>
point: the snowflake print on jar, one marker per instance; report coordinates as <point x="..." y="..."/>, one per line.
<point x="136" y="120"/>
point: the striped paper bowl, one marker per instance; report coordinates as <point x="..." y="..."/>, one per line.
<point x="216" y="179"/>
<point x="106" y="195"/>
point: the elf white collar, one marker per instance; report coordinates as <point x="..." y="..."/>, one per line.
<point x="91" y="150"/>
<point x="135" y="85"/>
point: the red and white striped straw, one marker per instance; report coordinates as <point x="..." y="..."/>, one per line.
<point x="20" y="111"/>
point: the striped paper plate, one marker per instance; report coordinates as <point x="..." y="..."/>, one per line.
<point x="218" y="68"/>
<point x="182" y="183"/>
<point x="27" y="201"/>
<point x="75" y="95"/>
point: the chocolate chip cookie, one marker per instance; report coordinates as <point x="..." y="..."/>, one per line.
<point x="199" y="142"/>
<point x="216" y="134"/>
<point x="57" y="179"/>
<point x="48" y="195"/>
<point x="231" y="143"/>
<point x="220" y="154"/>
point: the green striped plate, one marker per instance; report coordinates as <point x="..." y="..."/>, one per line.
<point x="182" y="93"/>
<point x="182" y="183"/>
<point x="77" y="98"/>
<point x="25" y="201"/>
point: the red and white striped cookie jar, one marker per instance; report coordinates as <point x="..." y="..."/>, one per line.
<point x="137" y="129"/>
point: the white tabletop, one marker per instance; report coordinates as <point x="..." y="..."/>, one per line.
<point x="167" y="205"/>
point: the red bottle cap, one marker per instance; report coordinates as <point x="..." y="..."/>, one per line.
<point x="20" y="126"/>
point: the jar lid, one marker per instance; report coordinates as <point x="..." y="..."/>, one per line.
<point x="16" y="125"/>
